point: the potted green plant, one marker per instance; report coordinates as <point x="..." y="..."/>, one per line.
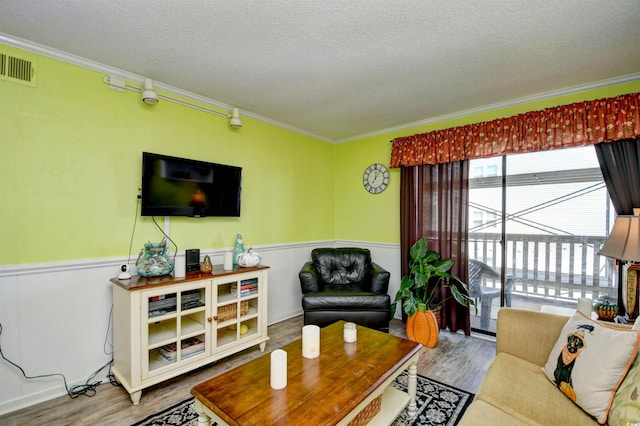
<point x="428" y="275"/>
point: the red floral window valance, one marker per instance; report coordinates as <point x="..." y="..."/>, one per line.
<point x="578" y="124"/>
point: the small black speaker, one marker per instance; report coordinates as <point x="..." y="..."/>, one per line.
<point x="193" y="260"/>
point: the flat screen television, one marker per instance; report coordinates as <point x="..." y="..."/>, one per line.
<point x="173" y="186"/>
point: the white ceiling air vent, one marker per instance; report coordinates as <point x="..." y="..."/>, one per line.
<point x="19" y="70"/>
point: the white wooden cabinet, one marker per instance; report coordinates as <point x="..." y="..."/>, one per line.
<point x="165" y="326"/>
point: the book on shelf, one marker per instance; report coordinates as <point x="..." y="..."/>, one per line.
<point x="247" y="287"/>
<point x="170" y="360"/>
<point x="188" y="347"/>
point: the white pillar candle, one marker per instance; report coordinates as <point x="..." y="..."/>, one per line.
<point x="585" y="306"/>
<point x="310" y="341"/>
<point x="228" y="261"/>
<point x="278" y="369"/>
<point x="179" y="267"/>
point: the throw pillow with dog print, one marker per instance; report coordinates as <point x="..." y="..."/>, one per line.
<point x="589" y="361"/>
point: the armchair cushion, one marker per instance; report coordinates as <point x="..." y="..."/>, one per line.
<point x="352" y="301"/>
<point x="341" y="266"/>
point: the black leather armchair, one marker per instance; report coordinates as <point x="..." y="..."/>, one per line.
<point x="343" y="284"/>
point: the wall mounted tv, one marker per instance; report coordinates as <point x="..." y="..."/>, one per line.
<point x="173" y="186"/>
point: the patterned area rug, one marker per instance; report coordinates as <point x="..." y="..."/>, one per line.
<point x="438" y="404"/>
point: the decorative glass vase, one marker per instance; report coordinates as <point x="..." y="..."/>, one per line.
<point x="238" y="249"/>
<point x="154" y="261"/>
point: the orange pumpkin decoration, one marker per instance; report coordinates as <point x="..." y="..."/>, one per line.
<point x="422" y="327"/>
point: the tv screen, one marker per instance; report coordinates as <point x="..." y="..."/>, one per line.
<point x="173" y="186"/>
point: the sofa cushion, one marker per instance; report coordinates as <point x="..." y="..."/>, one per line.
<point x="625" y="409"/>
<point x="521" y="390"/>
<point x="626" y="402"/>
<point x="589" y="361"/>
<point x="481" y="413"/>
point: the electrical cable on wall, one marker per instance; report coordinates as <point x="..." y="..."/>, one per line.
<point x="88" y="388"/>
<point x="167" y="237"/>
<point x="110" y="375"/>
<point x="133" y="231"/>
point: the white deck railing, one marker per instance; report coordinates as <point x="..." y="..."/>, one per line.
<point x="549" y="266"/>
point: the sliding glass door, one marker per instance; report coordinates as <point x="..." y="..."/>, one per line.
<point x="537" y="222"/>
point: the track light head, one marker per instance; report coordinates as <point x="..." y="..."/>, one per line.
<point x="235" y="118"/>
<point x="149" y="96"/>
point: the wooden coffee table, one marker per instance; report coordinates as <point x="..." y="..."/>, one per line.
<point x="329" y="390"/>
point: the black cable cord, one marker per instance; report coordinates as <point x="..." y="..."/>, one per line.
<point x="87" y="389"/>
<point x="133" y="231"/>
<point x="167" y="237"/>
<point x="110" y="375"/>
<point x="106" y="335"/>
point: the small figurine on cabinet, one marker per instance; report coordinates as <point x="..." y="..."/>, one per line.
<point x="249" y="259"/>
<point x="238" y="249"/>
<point x="153" y="260"/>
<point x="206" y="264"/>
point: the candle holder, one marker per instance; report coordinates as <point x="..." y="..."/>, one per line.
<point x="350" y="333"/>
<point x="228" y="261"/>
<point x="311" y="341"/>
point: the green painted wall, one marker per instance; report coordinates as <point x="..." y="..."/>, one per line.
<point x="361" y="216"/>
<point x="71" y="163"/>
<point x="70" y="170"/>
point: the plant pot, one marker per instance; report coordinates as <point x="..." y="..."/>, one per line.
<point x="423" y="327"/>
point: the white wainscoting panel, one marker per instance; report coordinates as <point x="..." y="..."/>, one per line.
<point x="56" y="316"/>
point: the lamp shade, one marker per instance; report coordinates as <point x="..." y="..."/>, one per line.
<point x="624" y="241"/>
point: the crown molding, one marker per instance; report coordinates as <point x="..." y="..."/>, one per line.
<point x="630" y="78"/>
<point x="139" y="79"/>
<point x="136" y="78"/>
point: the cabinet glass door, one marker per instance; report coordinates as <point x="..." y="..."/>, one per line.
<point x="175" y="330"/>
<point x="192" y="318"/>
<point x="237" y="310"/>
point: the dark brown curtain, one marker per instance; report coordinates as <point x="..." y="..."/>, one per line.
<point x="434" y="205"/>
<point x="620" y="165"/>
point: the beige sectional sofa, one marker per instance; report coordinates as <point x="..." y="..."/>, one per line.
<point x="515" y="391"/>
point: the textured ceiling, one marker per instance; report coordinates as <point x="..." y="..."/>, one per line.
<point x="342" y="69"/>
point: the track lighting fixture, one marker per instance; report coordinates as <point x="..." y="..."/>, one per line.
<point x="149" y="96"/>
<point x="235" y="118"/>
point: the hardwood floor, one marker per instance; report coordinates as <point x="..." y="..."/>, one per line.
<point x="457" y="360"/>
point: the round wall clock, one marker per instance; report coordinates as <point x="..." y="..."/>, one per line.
<point x="375" y="178"/>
